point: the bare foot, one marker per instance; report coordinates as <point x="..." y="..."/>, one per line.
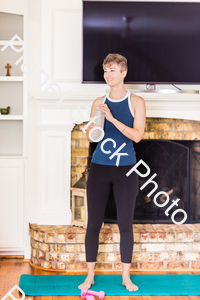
<point x="87" y="283"/>
<point x="129" y="285"/>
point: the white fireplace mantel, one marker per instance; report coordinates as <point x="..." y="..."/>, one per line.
<point x="163" y="105"/>
<point x="53" y="125"/>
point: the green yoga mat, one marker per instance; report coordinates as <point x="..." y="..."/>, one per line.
<point x="67" y="285"/>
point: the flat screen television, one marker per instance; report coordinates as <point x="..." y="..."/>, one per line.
<point x="161" y="40"/>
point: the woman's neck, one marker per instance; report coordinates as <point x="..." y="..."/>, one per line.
<point x="117" y="93"/>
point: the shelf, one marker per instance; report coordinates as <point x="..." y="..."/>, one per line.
<point x="11" y="117"/>
<point x="12" y="156"/>
<point x="11" y="78"/>
<point x="14" y="43"/>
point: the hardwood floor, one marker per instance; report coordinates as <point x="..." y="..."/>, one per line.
<point x="12" y="268"/>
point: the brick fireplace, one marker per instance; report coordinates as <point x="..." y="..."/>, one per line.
<point x="156" y="246"/>
<point x="156" y="128"/>
<point x="177" y="139"/>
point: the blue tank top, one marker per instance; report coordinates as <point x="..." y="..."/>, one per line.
<point x="122" y="111"/>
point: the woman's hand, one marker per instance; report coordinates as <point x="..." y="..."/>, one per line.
<point x="91" y="126"/>
<point x="107" y="112"/>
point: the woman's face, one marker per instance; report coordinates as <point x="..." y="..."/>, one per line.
<point x="113" y="75"/>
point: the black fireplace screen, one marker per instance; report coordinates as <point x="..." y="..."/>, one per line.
<point x="195" y="186"/>
<point x="177" y="166"/>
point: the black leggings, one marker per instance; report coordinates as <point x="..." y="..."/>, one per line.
<point x="125" y="191"/>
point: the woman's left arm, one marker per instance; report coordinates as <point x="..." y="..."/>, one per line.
<point x="139" y="110"/>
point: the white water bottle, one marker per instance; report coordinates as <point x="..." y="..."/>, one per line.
<point x="99" y="122"/>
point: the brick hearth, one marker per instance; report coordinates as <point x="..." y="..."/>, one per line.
<point x="156" y="246"/>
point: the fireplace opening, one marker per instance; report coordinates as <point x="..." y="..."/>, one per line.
<point x="177" y="165"/>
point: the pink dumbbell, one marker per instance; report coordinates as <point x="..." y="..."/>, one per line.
<point x="85" y="292"/>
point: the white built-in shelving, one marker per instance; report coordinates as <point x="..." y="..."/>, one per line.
<point x="12" y="131"/>
<point x="11" y="117"/>
<point x="11" y="78"/>
<point x="12" y="88"/>
<point x="14" y="43"/>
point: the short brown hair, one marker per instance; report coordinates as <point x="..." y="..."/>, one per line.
<point x="118" y="59"/>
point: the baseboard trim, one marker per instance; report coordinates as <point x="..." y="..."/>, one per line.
<point x="12" y="256"/>
<point x="98" y="272"/>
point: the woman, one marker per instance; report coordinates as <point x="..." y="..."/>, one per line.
<point x="125" y="117"/>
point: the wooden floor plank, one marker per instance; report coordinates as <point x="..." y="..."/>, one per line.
<point x="12" y="269"/>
